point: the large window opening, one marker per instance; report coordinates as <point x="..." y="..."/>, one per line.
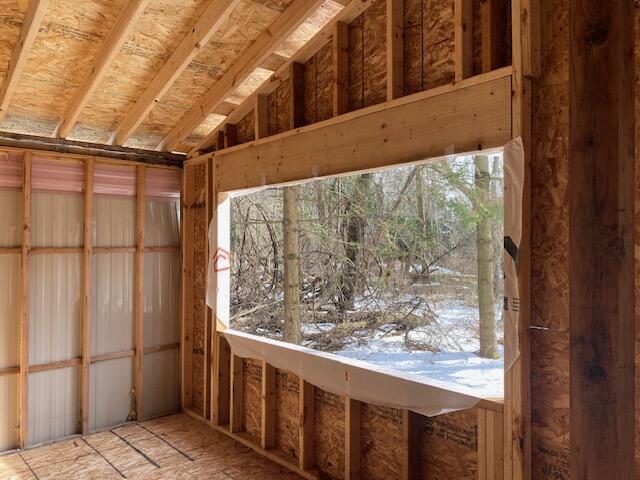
<point x="401" y="268"/>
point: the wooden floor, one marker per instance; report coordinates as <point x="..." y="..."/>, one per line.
<point x="175" y="447"/>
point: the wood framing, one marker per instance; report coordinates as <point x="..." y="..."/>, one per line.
<point x="492" y="45"/>
<point x="490" y="445"/>
<point x="101" y="64"/>
<point x="139" y="293"/>
<point x="266" y="43"/>
<point x="20" y="53"/>
<point x="236" y="417"/>
<point x="86" y="292"/>
<point x="352" y="435"/>
<point x="463" y="11"/>
<point x="340" y="48"/>
<point x="305" y="429"/>
<point x="214" y="15"/>
<point x="186" y="324"/>
<point x="395" y="49"/>
<point x="261" y="127"/>
<point x="23" y="408"/>
<point x="222" y="385"/>
<point x="601" y="239"/>
<point x="410" y="445"/>
<point x="268" y="406"/>
<point x="468" y="116"/>
<point x="297" y="86"/>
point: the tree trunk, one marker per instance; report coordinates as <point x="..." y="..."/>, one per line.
<point x="291" y="252"/>
<point x="488" y="343"/>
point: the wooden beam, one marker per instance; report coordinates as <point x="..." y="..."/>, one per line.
<point x="601" y="239"/>
<point x="308" y="50"/>
<point x="411" y="425"/>
<point x="210" y="344"/>
<point x="86" y="292"/>
<point x="220" y="139"/>
<point x="306" y="410"/>
<point x="259" y="51"/>
<point x="490" y="445"/>
<point x="101" y="64"/>
<point x="230" y="135"/>
<point x="492" y="43"/>
<point x="261" y="116"/>
<point x="222" y="386"/>
<point x="236" y="416"/>
<point x="452" y="119"/>
<point x="352" y="436"/>
<point x="268" y="439"/>
<point x="211" y="19"/>
<point x="187" y="233"/>
<point x="463" y="13"/>
<point x="530" y="39"/>
<point x="20" y="54"/>
<point x="60" y="145"/>
<point x="139" y="293"/>
<point x="340" y="48"/>
<point x="45" y="367"/>
<point x="297" y="85"/>
<point x="395" y="49"/>
<point x="23" y="386"/>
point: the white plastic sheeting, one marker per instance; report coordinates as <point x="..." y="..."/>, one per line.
<point x="110" y="394"/>
<point x="10" y="218"/>
<point x="9" y="310"/>
<point x="9" y="408"/>
<point x="161" y="383"/>
<point x="161" y="223"/>
<point x="56" y="220"/>
<point x="114" y="221"/>
<point x="161" y="298"/>
<point x="54" y="404"/>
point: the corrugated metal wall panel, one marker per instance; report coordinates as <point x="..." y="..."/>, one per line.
<point x="161" y="298"/>
<point x="9" y="408"/>
<point x="54" y="406"/>
<point x="54" y="307"/>
<point x="161" y="227"/>
<point x="9" y="310"/>
<point x="110" y="400"/>
<point x="112" y="291"/>
<point x="56" y="220"/>
<point x="10" y="218"/>
<point x="115" y="221"/>
<point x="161" y="383"/>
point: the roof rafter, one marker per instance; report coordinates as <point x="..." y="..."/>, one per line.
<point x="20" y="53"/>
<point x="101" y="64"/>
<point x="258" y="52"/>
<point x="350" y="12"/>
<point x="216" y="12"/>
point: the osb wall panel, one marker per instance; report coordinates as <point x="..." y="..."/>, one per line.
<point x="549" y="252"/>
<point x="449" y="446"/>
<point x="252" y="396"/>
<point x="199" y="283"/>
<point x="381" y="442"/>
<point x="287" y="412"/>
<point x="279" y="109"/>
<point x="328" y="434"/>
<point x="318" y="95"/>
<point x="246" y="128"/>
<point x="637" y="234"/>
<point x="367" y="57"/>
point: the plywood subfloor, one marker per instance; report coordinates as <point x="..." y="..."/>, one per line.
<point x="174" y="447"/>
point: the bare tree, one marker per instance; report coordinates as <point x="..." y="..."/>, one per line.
<point x="291" y="251"/>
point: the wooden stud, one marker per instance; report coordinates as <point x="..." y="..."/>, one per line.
<point x="23" y="408"/>
<point x="220" y="139"/>
<point x="261" y="116"/>
<point x="306" y="411"/>
<point x="139" y="293"/>
<point x="10" y="251"/>
<point x="210" y="20"/>
<point x="530" y="38"/>
<point x="20" y="54"/>
<point x="230" y="135"/>
<point x="490" y="445"/>
<point x="45" y="367"/>
<point x="352" y="435"/>
<point x="209" y="325"/>
<point x="187" y="232"/>
<point x="492" y="44"/>
<point x="463" y="12"/>
<point x="86" y="293"/>
<point x="411" y="424"/>
<point x="340" y="47"/>
<point x="297" y="83"/>
<point x="395" y="49"/>
<point x="236" y="416"/>
<point x="222" y="385"/>
<point x="268" y="41"/>
<point x="601" y="239"/>
<point x="101" y="64"/>
<point x="268" y="439"/>
<point x="55" y="250"/>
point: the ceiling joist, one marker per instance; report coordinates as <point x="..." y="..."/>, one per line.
<point x="20" y="53"/>
<point x="107" y="54"/>
<point x="215" y="14"/>
<point x="260" y="50"/>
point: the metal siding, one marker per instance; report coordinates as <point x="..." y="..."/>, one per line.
<point x="56" y="219"/>
<point x="161" y="383"/>
<point x="161" y="298"/>
<point x="114" y="222"/>
<point x="9" y="408"/>
<point x="110" y="400"/>
<point x="10" y="218"/>
<point x="161" y="228"/>
<point x="9" y="310"/>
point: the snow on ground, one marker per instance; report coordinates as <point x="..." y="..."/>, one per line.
<point x="456" y="365"/>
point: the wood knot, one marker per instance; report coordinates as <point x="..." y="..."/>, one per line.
<point x="598" y="35"/>
<point x="596" y="373"/>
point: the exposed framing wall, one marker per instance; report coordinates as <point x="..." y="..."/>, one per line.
<point x="87" y="252"/>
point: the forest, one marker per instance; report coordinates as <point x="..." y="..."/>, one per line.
<point x="401" y="268"/>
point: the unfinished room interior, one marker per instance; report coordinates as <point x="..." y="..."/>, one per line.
<point x="319" y="239"/>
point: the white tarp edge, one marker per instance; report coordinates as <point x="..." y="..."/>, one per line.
<point x="376" y="385"/>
